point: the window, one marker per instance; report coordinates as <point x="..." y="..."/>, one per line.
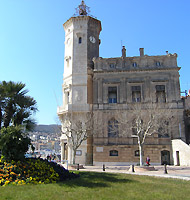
<point x="68" y="63"/>
<point x="158" y="64"/>
<point x="137" y="125"/>
<point x="78" y="153"/>
<point x="163" y="131"/>
<point x="112" y="66"/>
<point x="68" y="58"/>
<point x="113" y="153"/>
<point x="113" y="128"/>
<point x="80" y="40"/>
<point x="134" y="64"/>
<point x="136" y="93"/>
<point x="137" y="153"/>
<point x="67" y="97"/>
<point x="112" y="94"/>
<point x="160" y="94"/>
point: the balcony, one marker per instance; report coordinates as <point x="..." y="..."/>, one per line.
<point x="73" y="108"/>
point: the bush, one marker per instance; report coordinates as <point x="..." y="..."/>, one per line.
<point x="13" y="143"/>
<point x="63" y="173"/>
<point x="32" y="170"/>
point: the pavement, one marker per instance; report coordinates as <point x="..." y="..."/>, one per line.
<point x="177" y="172"/>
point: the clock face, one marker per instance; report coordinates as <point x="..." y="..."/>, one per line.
<point x="92" y="39"/>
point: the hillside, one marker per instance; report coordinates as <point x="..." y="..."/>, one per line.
<point x="52" y="128"/>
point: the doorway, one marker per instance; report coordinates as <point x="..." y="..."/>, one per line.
<point x="177" y="158"/>
<point x="165" y="157"/>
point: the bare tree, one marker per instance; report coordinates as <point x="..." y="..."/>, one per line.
<point x="77" y="128"/>
<point x="145" y="120"/>
<point x="139" y="121"/>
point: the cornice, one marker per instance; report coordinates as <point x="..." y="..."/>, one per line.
<point x="138" y="70"/>
<point x="81" y="18"/>
<point x="96" y="59"/>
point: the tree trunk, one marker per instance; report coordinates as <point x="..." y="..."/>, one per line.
<point x="9" y="111"/>
<point x="141" y="154"/>
<point x="74" y="153"/>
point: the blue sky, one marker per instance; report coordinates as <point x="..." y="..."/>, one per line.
<point x="32" y="40"/>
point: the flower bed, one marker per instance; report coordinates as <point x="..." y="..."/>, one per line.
<point x="32" y="170"/>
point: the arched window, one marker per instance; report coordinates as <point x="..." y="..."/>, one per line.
<point x="113" y="128"/>
<point x="113" y="153"/>
<point x="80" y="40"/>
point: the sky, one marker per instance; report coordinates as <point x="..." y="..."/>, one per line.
<point x="32" y="40"/>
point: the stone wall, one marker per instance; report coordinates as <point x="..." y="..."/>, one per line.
<point x="126" y="154"/>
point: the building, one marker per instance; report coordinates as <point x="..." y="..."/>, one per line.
<point x="106" y="86"/>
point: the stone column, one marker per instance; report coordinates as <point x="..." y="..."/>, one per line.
<point x="146" y="90"/>
<point x="70" y="157"/>
<point x="95" y="91"/>
<point x="123" y="91"/>
<point x="89" y="154"/>
<point x="100" y="90"/>
<point x="62" y="151"/>
<point x="129" y="94"/>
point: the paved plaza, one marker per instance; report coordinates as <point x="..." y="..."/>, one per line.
<point x="178" y="172"/>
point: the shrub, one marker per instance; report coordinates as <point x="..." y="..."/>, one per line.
<point x="13" y="143"/>
<point x="63" y="173"/>
<point x="32" y="170"/>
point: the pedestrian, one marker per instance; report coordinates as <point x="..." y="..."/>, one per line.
<point x="148" y="160"/>
<point x="48" y="157"/>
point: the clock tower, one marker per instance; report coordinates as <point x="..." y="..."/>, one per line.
<point x="81" y="46"/>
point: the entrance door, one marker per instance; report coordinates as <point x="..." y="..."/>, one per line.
<point x="165" y="157"/>
<point x="177" y="158"/>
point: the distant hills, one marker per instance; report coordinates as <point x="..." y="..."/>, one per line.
<point x="52" y="128"/>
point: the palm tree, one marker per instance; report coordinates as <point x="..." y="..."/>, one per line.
<point x="1" y="104"/>
<point x="15" y="106"/>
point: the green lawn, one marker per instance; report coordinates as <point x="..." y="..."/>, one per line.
<point x="95" y="186"/>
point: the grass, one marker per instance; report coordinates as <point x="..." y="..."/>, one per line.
<point x="103" y="186"/>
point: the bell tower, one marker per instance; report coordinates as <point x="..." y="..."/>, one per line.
<point x="81" y="46"/>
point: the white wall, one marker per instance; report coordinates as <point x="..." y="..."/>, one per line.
<point x="184" y="152"/>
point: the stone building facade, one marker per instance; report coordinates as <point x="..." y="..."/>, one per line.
<point x="121" y="82"/>
<point x="107" y="86"/>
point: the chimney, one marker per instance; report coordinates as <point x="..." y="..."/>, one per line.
<point x="141" y="51"/>
<point x="124" y="52"/>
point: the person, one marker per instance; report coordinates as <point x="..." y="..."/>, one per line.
<point x="54" y="156"/>
<point x="48" y="157"/>
<point x="148" y="160"/>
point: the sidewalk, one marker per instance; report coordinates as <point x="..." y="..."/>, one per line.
<point x="178" y="172"/>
